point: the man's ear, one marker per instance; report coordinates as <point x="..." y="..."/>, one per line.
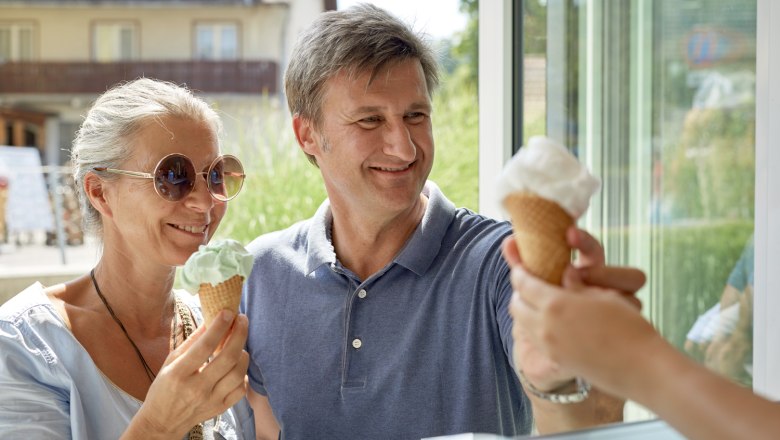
<point x="95" y="189"/>
<point x="305" y="134"/>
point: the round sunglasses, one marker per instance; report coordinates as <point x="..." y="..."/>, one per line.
<point x="174" y="177"/>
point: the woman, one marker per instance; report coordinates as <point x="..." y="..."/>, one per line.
<point x="597" y="334"/>
<point x="114" y="353"/>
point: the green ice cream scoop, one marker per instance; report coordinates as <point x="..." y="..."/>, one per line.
<point x="214" y="263"/>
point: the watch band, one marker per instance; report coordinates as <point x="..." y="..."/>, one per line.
<point x="583" y="390"/>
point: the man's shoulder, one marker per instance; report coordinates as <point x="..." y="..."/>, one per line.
<point x="474" y="236"/>
<point x="467" y="221"/>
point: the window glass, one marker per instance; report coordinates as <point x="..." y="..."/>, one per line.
<point x="25" y="44"/>
<point x="17" y="42"/>
<point x="703" y="180"/>
<point x="229" y="42"/>
<point x="204" y="42"/>
<point x="125" y="43"/>
<point x="658" y="99"/>
<point x="216" y="41"/>
<point x="5" y="44"/>
<point x="534" y="68"/>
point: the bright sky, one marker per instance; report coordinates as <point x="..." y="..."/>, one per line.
<point x="438" y="18"/>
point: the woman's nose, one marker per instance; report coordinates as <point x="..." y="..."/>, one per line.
<point x="200" y="198"/>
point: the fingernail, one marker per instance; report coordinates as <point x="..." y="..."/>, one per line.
<point x="227" y="315"/>
<point x="571" y="235"/>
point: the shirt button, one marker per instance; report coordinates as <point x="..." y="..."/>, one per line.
<point x="357" y="343"/>
<point x="362" y="293"/>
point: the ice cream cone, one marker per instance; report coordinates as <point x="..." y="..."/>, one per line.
<point x="540" y="233"/>
<point x="225" y="295"/>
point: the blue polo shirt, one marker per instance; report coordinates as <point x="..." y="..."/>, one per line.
<point x="421" y="348"/>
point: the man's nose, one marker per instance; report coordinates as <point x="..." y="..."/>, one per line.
<point x="398" y="142"/>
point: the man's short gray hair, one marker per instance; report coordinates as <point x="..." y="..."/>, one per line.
<point x="355" y="40"/>
<point x="106" y="138"/>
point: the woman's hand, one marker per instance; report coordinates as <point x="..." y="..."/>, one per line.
<point x="543" y="314"/>
<point x="189" y="388"/>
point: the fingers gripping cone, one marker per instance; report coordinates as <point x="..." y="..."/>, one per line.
<point x="540" y="233"/>
<point x="224" y="296"/>
<point x="544" y="189"/>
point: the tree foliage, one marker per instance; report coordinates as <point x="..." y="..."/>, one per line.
<point x="465" y="50"/>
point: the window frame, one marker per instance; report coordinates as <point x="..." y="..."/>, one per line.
<point x="496" y="90"/>
<point x="15" y="26"/>
<point x="118" y="24"/>
<point x="216" y="26"/>
<point x="766" y="306"/>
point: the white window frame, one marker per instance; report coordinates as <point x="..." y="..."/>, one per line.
<point x="495" y="119"/>
<point x="766" y="306"/>
<point x="15" y="28"/>
<point x="216" y="52"/>
<point x="495" y="98"/>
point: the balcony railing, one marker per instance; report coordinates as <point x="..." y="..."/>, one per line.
<point x="252" y="77"/>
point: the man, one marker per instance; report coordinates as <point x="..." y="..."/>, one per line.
<point x="385" y="314"/>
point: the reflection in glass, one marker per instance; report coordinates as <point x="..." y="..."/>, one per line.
<point x="205" y="42"/>
<point x="703" y="180"/>
<point x="229" y="42"/>
<point x="658" y="99"/>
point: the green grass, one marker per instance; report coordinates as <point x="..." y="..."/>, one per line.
<point x="456" y="134"/>
<point x="281" y="186"/>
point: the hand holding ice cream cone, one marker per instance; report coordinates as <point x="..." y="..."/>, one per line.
<point x="545" y="190"/>
<point x="217" y="272"/>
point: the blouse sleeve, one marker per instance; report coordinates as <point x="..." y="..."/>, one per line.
<point x="33" y="402"/>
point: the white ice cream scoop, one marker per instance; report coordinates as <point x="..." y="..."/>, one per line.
<point x="547" y="169"/>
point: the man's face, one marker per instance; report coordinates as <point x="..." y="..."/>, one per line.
<point x="374" y="146"/>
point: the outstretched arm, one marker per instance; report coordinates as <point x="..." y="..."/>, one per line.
<point x="546" y="374"/>
<point x="595" y="333"/>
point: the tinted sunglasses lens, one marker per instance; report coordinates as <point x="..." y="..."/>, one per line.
<point x="174" y="178"/>
<point x="226" y="178"/>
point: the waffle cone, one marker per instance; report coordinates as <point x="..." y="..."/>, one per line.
<point x="225" y="295"/>
<point x="540" y="233"/>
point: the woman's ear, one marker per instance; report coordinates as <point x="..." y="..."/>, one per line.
<point x="95" y="189"/>
<point x="305" y="134"/>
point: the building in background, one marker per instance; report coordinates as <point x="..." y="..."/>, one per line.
<point x="56" y="57"/>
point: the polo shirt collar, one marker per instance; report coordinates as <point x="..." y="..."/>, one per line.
<point x="320" y="248"/>
<point x="419" y="251"/>
<point x="424" y="244"/>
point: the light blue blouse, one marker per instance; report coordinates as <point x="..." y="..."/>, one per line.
<point x="51" y="388"/>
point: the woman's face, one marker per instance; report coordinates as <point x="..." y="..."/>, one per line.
<point x="148" y="227"/>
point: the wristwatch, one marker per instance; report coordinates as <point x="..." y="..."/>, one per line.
<point x="582" y="392"/>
